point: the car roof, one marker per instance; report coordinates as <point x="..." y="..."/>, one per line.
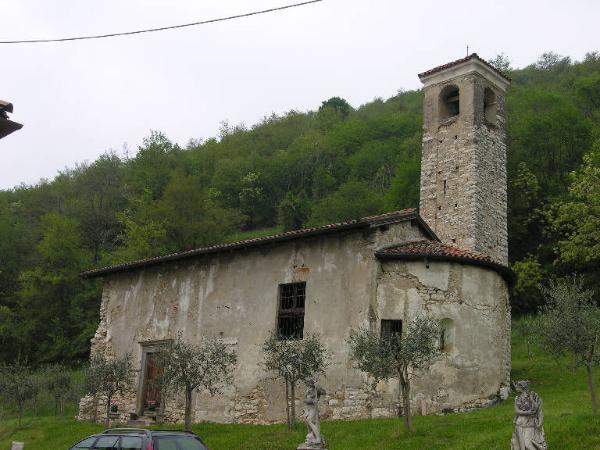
<point x="144" y="431"/>
<point x="119" y="431"/>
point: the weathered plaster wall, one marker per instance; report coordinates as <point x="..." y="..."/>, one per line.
<point x="235" y="296"/>
<point x="476" y="363"/>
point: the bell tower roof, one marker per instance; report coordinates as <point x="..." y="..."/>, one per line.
<point x="464" y="66"/>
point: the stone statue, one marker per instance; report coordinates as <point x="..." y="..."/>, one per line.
<point x="529" y="420"/>
<point x="314" y="439"/>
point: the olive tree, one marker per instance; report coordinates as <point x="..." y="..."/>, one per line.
<point x="526" y="327"/>
<point x="569" y="324"/>
<point x="294" y="360"/>
<point x="108" y="376"/>
<point x="57" y="381"/>
<point x="402" y="355"/>
<point x="205" y="367"/>
<point x="18" y="384"/>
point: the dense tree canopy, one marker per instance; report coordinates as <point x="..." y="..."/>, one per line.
<point x="286" y="172"/>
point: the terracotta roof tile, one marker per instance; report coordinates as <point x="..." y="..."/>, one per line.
<point x="381" y="219"/>
<point x="437" y="251"/>
<point x="432" y="248"/>
<point x="460" y="61"/>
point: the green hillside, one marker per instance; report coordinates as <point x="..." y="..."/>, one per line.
<point x="290" y="171"/>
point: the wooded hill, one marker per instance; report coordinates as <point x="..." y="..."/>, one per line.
<point x="291" y="171"/>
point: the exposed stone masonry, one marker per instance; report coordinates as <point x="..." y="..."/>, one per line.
<point x="463" y="168"/>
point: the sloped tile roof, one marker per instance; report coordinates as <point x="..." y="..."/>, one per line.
<point x="434" y="250"/>
<point x="460" y="61"/>
<point x="370" y="221"/>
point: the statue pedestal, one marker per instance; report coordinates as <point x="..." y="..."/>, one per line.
<point x="304" y="446"/>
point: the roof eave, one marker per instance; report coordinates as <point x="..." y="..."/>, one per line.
<point x="8" y="126"/>
<point x="365" y="222"/>
<point x="217" y="249"/>
<point x="463" y="66"/>
<point x="507" y="273"/>
<point x="421" y="222"/>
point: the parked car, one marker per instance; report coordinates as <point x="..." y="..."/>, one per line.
<point x="141" y="439"/>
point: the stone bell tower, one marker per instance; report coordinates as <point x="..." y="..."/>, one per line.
<point x="463" y="166"/>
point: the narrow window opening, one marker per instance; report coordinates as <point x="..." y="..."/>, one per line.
<point x="446" y="335"/>
<point x="290" y="323"/>
<point x="449" y="102"/>
<point x="489" y="106"/>
<point x="445" y="186"/>
<point x="390" y="328"/>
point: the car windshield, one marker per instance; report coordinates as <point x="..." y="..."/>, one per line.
<point x="107" y="443"/>
<point x="177" y="443"/>
<point x="131" y="443"/>
<point x="86" y="443"/>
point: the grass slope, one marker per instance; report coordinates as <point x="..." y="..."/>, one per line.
<point x="569" y="423"/>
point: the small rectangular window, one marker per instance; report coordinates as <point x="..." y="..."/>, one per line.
<point x="290" y="322"/>
<point x="390" y="327"/>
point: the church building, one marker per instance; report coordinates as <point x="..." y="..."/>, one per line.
<point x="447" y="259"/>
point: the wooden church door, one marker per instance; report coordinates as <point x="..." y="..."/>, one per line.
<point x="151" y="391"/>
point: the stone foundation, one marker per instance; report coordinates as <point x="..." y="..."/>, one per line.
<point x="345" y="404"/>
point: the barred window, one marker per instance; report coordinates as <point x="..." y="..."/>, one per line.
<point x="290" y="323"/>
<point x="390" y="327"/>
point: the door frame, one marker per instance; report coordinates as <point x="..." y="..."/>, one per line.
<point x="147" y="348"/>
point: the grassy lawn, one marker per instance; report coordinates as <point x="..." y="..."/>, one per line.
<point x="569" y="423"/>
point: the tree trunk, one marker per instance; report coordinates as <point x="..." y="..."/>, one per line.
<point x="188" y="409"/>
<point x="405" y="388"/>
<point x="107" y="420"/>
<point x="592" y="388"/>
<point x="95" y="404"/>
<point x="400" y="397"/>
<point x="293" y="414"/>
<point x="590" y="378"/>
<point x="61" y="406"/>
<point x="21" y="408"/>
<point x="287" y="404"/>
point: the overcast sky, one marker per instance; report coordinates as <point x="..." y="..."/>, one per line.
<point x="80" y="99"/>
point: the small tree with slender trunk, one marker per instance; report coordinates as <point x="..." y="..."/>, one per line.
<point x="18" y="384"/>
<point x="58" y="382"/>
<point x="108" y="377"/>
<point x="569" y="324"/>
<point x="294" y="360"/>
<point x="526" y="328"/>
<point x="401" y="355"/>
<point x="205" y="367"/>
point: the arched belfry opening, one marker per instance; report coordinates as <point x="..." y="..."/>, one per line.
<point x="489" y="106"/>
<point x="449" y="102"/>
